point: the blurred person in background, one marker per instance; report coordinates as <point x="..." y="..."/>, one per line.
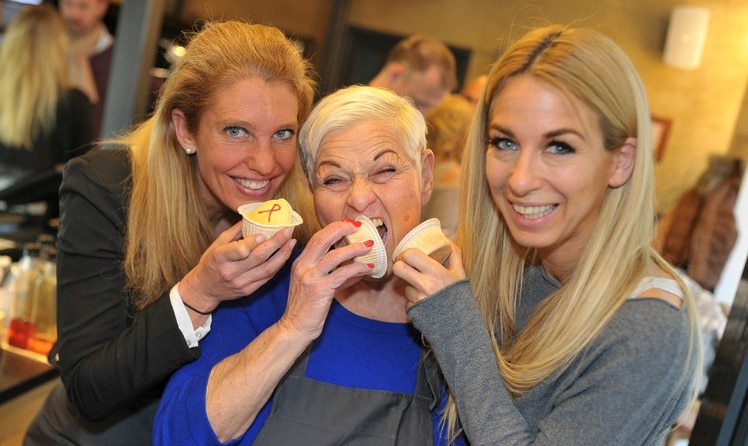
<point x="448" y="126"/>
<point x="421" y="69"/>
<point x="91" y="51"/>
<point x="473" y="90"/>
<point x="44" y="119"/>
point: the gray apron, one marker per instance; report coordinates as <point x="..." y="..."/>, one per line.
<point x="313" y="413"/>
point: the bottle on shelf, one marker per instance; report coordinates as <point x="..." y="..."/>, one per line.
<point x="44" y="313"/>
<point x="23" y="292"/>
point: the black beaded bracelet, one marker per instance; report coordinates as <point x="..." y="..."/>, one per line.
<point x="195" y="309"/>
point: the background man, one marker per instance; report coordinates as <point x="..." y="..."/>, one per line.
<point x="91" y="52"/>
<point x="421" y="69"/>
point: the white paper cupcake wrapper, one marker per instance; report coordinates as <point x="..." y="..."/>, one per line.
<point x="378" y="255"/>
<point x="427" y="237"/>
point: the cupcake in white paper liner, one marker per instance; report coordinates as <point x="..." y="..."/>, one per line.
<point x="268" y="217"/>
<point x="378" y="255"/>
<point x="427" y="237"/>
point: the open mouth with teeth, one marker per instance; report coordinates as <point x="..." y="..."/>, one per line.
<point x="381" y="228"/>
<point x="534" y="212"/>
<point x="249" y="184"/>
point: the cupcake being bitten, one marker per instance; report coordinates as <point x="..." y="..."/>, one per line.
<point x="378" y="255"/>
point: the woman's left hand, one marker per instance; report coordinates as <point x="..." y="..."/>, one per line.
<point x="424" y="275"/>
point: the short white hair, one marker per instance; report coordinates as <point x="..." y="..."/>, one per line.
<point x="356" y="104"/>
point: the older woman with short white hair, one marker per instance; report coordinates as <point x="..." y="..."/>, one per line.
<point x="325" y="353"/>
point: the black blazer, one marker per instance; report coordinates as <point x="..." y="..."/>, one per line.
<point x="109" y="354"/>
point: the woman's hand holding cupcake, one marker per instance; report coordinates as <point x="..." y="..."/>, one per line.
<point x="320" y="272"/>
<point x="233" y="267"/>
<point x="428" y="267"/>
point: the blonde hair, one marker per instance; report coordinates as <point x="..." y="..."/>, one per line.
<point x="168" y="228"/>
<point x="592" y="69"/>
<point x="33" y="75"/>
<point x="448" y="125"/>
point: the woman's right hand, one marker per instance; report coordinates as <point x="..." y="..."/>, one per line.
<point x="233" y="267"/>
<point x="425" y="276"/>
<point x="317" y="274"/>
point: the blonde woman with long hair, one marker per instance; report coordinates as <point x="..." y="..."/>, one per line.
<point x="592" y="337"/>
<point x="44" y="120"/>
<point x="150" y="241"/>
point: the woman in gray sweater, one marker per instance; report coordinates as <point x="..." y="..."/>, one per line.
<point x="593" y="337"/>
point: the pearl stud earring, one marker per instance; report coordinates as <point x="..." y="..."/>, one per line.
<point x="189" y="150"/>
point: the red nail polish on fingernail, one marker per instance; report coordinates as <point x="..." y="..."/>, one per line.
<point x="370" y="265"/>
<point x="356" y="223"/>
<point x="369" y="243"/>
<point x="347" y="220"/>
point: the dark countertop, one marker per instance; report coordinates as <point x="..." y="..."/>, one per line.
<point x="19" y="374"/>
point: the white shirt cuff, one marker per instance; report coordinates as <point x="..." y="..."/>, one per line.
<point x="191" y="335"/>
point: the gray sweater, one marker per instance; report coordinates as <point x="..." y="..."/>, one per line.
<point x="625" y="388"/>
